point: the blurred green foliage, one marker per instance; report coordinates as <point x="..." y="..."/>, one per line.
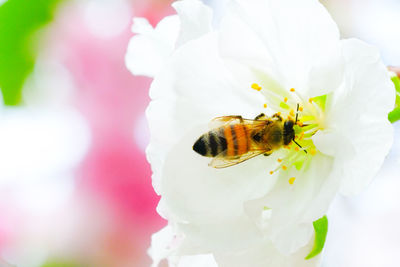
<point x="60" y="264"/>
<point x="19" y="20"/>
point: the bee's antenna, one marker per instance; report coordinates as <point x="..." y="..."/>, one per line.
<point x="305" y="151"/>
<point x="297" y="115"/>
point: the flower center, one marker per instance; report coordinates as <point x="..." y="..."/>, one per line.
<point x="309" y="117"/>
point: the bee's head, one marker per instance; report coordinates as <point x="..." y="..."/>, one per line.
<point x="288" y="132"/>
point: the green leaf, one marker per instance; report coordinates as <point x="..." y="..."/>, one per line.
<point x="321" y="230"/>
<point x="396" y="81"/>
<point x="19" y="20"/>
<point x="395" y="114"/>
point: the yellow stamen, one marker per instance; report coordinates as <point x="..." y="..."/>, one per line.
<point x="313" y="152"/>
<point x="285" y="100"/>
<point x="292" y="112"/>
<point x="291" y="180"/>
<point x="297" y="148"/>
<point x="292" y="90"/>
<point x="265" y="105"/>
<point x="284" y="168"/>
<point x="300" y="123"/>
<point x="271" y="172"/>
<point x="256" y="87"/>
<point x="300" y="108"/>
<point x="279" y="160"/>
<point x="310" y="100"/>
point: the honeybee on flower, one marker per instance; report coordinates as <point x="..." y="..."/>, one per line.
<point x="264" y="56"/>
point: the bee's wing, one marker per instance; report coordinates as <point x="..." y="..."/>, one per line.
<point x="233" y="119"/>
<point x="220" y="162"/>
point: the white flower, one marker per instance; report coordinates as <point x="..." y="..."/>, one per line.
<point x="290" y="51"/>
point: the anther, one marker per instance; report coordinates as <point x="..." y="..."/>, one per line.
<point x="291" y="180"/>
<point x="300" y="108"/>
<point x="256" y="87"/>
<point x="313" y="152"/>
<point x="292" y="112"/>
<point x="279" y="160"/>
<point x="284" y="167"/>
<point x="265" y="105"/>
<point x="292" y="90"/>
<point x="300" y="123"/>
<point x="310" y="100"/>
<point x="285" y="99"/>
<point x="271" y="172"/>
<point x="297" y="148"/>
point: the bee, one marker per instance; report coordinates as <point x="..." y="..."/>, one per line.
<point x="235" y="139"/>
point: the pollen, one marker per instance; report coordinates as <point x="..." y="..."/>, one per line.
<point x="300" y="123"/>
<point x="279" y="160"/>
<point x="310" y="100"/>
<point x="300" y="108"/>
<point x="271" y="172"/>
<point x="292" y="112"/>
<point x="265" y="105"/>
<point x="256" y="87"/>
<point x="313" y="152"/>
<point x="291" y="180"/>
<point x="284" y="168"/>
<point x="285" y="99"/>
<point x="292" y="90"/>
<point x="297" y="148"/>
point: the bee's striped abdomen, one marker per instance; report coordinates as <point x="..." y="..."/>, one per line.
<point x="237" y="140"/>
<point x="229" y="140"/>
<point x="211" y="144"/>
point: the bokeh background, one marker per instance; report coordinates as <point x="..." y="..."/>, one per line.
<point x="75" y="186"/>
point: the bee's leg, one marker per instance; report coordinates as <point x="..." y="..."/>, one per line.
<point x="276" y="115"/>
<point x="261" y="116"/>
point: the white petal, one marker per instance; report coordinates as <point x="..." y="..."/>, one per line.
<point x="286" y="28"/>
<point x="265" y="254"/>
<point x="150" y="48"/>
<point x="295" y="207"/>
<point x="187" y="94"/>
<point x="359" y="113"/>
<point x="333" y="143"/>
<point x="327" y="72"/>
<point x="196" y="20"/>
<point x="198" y="261"/>
<point x="161" y="245"/>
<point x="217" y="236"/>
<point x="198" y="193"/>
<point x="245" y="53"/>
